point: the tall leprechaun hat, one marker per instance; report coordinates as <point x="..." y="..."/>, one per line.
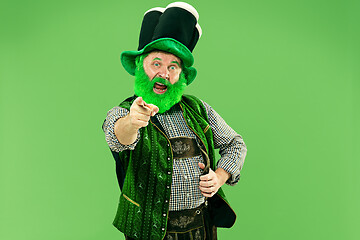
<point x="173" y="29"/>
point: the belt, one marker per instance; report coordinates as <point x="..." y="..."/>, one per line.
<point x="186" y="220"/>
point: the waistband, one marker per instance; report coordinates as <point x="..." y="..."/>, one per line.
<point x="186" y="220"/>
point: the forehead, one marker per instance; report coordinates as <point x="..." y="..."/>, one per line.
<point x="164" y="56"/>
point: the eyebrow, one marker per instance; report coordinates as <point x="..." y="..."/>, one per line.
<point x="176" y="63"/>
<point x="171" y="62"/>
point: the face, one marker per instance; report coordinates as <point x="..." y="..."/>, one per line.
<point x="159" y="80"/>
<point x="162" y="65"/>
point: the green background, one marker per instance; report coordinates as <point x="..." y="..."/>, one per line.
<point x="284" y="74"/>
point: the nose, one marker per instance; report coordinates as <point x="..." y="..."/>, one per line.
<point x="164" y="73"/>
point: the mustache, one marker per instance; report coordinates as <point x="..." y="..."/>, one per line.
<point x="161" y="80"/>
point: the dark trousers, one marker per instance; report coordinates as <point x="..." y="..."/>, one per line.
<point x="194" y="224"/>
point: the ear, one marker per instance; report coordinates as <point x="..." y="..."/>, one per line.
<point x="190" y="74"/>
<point x="138" y="62"/>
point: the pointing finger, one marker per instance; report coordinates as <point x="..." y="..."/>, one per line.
<point x="153" y="108"/>
<point x="139" y="101"/>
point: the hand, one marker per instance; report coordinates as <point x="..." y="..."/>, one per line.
<point x="140" y="113"/>
<point x="211" y="182"/>
<point x="126" y="127"/>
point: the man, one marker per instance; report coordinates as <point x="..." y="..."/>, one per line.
<point x="163" y="141"/>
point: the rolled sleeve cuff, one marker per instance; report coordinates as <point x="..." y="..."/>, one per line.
<point x="112" y="116"/>
<point x="229" y="167"/>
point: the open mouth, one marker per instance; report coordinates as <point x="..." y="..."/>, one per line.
<point x="159" y="88"/>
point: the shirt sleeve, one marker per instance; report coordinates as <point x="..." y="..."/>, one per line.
<point x="108" y="127"/>
<point x="231" y="145"/>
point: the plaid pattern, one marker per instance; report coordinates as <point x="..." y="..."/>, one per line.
<point x="112" y="116"/>
<point x="185" y="192"/>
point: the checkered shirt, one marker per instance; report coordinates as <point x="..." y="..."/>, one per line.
<point x="185" y="192"/>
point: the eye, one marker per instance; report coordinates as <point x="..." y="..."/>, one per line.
<point x="172" y="67"/>
<point x="157" y="64"/>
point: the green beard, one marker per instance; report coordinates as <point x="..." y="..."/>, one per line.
<point x="144" y="88"/>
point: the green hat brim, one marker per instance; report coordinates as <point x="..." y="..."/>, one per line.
<point x="163" y="44"/>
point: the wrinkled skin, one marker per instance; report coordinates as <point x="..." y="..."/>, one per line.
<point x="159" y="80"/>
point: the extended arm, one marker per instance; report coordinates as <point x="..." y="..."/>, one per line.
<point x="121" y="126"/>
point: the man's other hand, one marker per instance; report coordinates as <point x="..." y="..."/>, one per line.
<point x="211" y="182"/>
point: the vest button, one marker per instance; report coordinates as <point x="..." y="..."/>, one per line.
<point x="164" y="214"/>
<point x="169" y="173"/>
<point x="163" y="229"/>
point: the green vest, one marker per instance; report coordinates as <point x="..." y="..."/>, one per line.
<point x="144" y="201"/>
